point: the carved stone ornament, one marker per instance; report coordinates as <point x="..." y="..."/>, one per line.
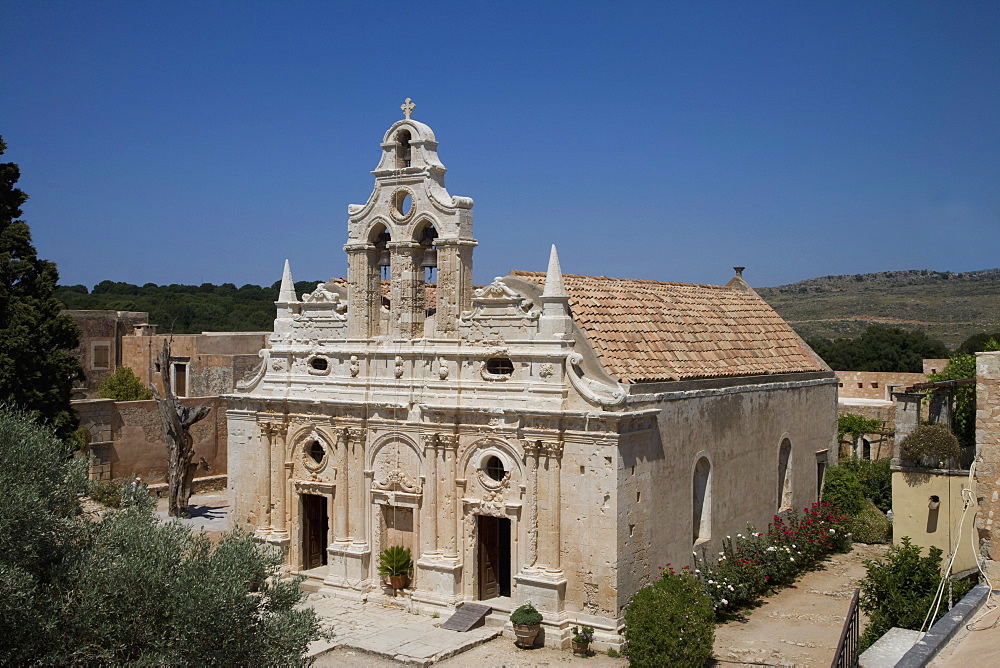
<point x="593" y="390"/>
<point x="399" y="367"/>
<point x="496" y="486"/>
<point x="443" y="371"/>
<point x="547" y="370"/>
<point x="278" y="364"/>
<point x="355" y="366"/>
<point x="496" y="290"/>
<point x="398" y="480"/>
<point x="306" y="452"/>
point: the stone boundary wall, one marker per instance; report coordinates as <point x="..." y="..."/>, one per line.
<point x="988" y="451"/>
<point x="874" y="384"/>
<point x="126" y="438"/>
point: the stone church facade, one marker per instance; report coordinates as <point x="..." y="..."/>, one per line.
<point x="547" y="438"/>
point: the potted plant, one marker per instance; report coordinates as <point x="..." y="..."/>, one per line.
<point x="527" y="622"/>
<point x="396" y="563"/>
<point x="582" y="637"/>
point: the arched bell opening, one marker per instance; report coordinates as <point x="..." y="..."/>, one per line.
<point x="380" y="238"/>
<point x="404" y="152"/>
<point x="427" y="236"/>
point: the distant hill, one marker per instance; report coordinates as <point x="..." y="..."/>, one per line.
<point x="947" y="306"/>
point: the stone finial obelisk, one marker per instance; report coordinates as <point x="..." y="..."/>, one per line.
<point x="555" y="321"/>
<point x="553" y="277"/>
<point x="286" y="295"/>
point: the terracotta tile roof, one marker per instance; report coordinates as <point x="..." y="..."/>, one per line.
<point x="652" y="331"/>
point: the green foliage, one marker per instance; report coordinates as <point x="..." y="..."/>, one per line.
<point x="123" y="385"/>
<point x="395" y="560"/>
<point x="79" y="439"/>
<point x="879" y="349"/>
<point x="900" y="590"/>
<point x="106" y="492"/>
<point x="960" y="366"/>
<point x="931" y="445"/>
<point x="752" y="565"/>
<point x="856" y="425"/>
<point x="843" y="489"/>
<point x="979" y="343"/>
<point x="670" y="622"/>
<point x="613" y="653"/>
<point x="875" y="477"/>
<point x="871" y="525"/>
<point x="186" y="309"/>
<point x="128" y="589"/>
<point x="526" y="615"/>
<point x="584" y="634"/>
<point x="37" y="365"/>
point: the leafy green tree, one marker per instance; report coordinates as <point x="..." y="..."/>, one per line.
<point x="875" y="477"/>
<point x="880" y="349"/>
<point x="900" y="591"/>
<point x="123" y="385"/>
<point x="978" y="343"/>
<point x="856" y="425"/>
<point x="37" y="365"/>
<point x="963" y="419"/>
<point x="930" y="443"/>
<point x="128" y="589"/>
<point x="842" y="488"/>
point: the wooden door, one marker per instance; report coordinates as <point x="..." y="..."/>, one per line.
<point x="489" y="557"/>
<point x="314" y="530"/>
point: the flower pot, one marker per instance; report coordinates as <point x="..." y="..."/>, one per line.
<point x="399" y="581"/>
<point x="582" y="648"/>
<point x="526" y="634"/>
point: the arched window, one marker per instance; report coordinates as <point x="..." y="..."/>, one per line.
<point x="494" y="468"/>
<point x="702" y="501"/>
<point x="785" y="475"/>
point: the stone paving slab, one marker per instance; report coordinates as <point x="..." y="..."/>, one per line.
<point x="389" y="630"/>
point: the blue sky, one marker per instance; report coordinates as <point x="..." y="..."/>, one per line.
<point x="191" y="142"/>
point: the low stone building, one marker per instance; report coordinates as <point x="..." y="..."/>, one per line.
<point x="100" y="349"/>
<point x="547" y="438"/>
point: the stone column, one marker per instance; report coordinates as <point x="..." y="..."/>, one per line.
<point x="988" y="454"/>
<point x="356" y="466"/>
<point x="406" y="309"/>
<point x="341" y="506"/>
<point x="448" y="501"/>
<point x="531" y="457"/>
<point x="429" y="505"/>
<point x="279" y="530"/>
<point x="364" y="290"/>
<point x="454" y="287"/>
<point x="264" y="474"/>
<point x="550" y="548"/>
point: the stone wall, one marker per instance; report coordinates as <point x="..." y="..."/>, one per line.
<point x="126" y="438"/>
<point x="100" y="351"/>
<point x="215" y="361"/>
<point x="740" y="431"/>
<point x="875" y="384"/>
<point x="988" y="451"/>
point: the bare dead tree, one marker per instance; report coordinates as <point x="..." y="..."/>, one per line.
<point x="177" y="420"/>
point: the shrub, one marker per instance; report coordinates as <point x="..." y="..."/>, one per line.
<point x="106" y="492"/>
<point x="670" y="622"/>
<point x="751" y="566"/>
<point x="871" y="525"/>
<point x="930" y="445"/>
<point x="900" y="590"/>
<point x="123" y="385"/>
<point x="526" y="615"/>
<point x="875" y="478"/>
<point x="843" y="489"/>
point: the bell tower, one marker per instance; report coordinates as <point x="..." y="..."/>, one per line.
<point x="413" y="227"/>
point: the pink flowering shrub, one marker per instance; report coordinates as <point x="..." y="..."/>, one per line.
<point x="669" y="622"/>
<point x="752" y="565"/>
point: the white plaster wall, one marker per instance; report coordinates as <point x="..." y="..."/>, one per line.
<point x="741" y="430"/>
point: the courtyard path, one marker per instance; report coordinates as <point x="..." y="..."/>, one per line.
<point x="800" y="625"/>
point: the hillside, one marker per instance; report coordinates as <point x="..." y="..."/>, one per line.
<point x="945" y="305"/>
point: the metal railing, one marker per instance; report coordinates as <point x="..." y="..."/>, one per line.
<point x="847" y="648"/>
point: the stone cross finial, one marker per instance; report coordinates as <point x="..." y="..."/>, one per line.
<point x="408" y="108"/>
